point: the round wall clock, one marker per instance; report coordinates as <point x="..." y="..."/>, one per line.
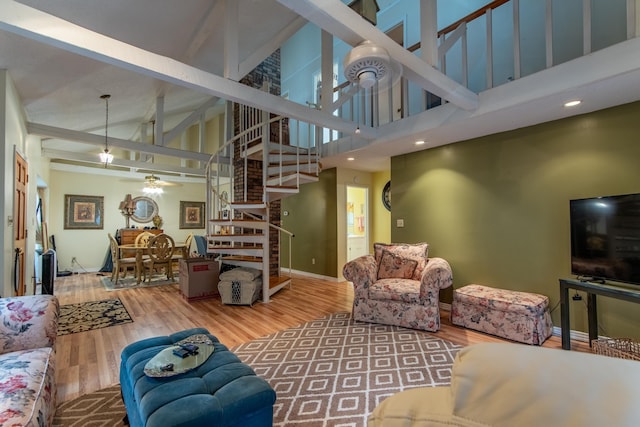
<point x="386" y="196"/>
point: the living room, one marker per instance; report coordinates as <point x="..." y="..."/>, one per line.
<point x="496" y="207"/>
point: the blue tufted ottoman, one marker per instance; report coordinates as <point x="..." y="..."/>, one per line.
<point x="222" y="391"/>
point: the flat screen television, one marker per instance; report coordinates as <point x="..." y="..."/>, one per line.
<point x="605" y="238"/>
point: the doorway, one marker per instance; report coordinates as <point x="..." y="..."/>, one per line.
<point x="357" y="222"/>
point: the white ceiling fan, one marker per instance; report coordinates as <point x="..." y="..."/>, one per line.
<point x="153" y="184"/>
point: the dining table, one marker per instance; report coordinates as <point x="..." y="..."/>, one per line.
<point x="140" y="251"/>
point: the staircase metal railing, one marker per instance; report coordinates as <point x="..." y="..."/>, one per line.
<point x="257" y="134"/>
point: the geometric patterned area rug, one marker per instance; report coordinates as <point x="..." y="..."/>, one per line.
<point x="131" y="282"/>
<point x="103" y="408"/>
<point x="334" y="371"/>
<point x="327" y="372"/>
<point x="86" y="316"/>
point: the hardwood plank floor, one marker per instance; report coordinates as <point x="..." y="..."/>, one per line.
<point x="89" y="361"/>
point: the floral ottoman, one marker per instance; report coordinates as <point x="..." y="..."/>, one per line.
<point x="518" y="316"/>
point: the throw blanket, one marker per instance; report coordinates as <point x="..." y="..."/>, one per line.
<point x="240" y="274"/>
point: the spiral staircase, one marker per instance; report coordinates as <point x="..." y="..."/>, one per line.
<point x="246" y="179"/>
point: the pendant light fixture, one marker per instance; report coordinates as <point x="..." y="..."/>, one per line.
<point x="106" y="157"/>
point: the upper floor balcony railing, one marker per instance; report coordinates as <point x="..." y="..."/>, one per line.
<point x="503" y="41"/>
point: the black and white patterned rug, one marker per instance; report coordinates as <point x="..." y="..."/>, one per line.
<point x="334" y="371"/>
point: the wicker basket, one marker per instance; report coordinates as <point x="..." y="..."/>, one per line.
<point x="623" y="348"/>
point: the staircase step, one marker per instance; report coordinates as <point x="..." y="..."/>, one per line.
<point x="275" y="148"/>
<point x="240" y="238"/>
<point x="254" y="251"/>
<point x="255" y="151"/>
<point x="243" y="261"/>
<point x="308" y="168"/>
<point x="291" y="179"/>
<point x="253" y="224"/>
<point x="254" y="207"/>
<point x="290" y="157"/>
<point x="278" y="282"/>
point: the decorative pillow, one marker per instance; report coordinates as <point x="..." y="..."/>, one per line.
<point x="395" y="267"/>
<point x="414" y="251"/>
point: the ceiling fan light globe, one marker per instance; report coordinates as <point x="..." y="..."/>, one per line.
<point x="367" y="79"/>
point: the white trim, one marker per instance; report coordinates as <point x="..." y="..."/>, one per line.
<point x="285" y="271"/>
<point x="574" y="335"/>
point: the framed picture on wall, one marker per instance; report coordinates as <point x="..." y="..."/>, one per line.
<point x="191" y="214"/>
<point x="83" y="212"/>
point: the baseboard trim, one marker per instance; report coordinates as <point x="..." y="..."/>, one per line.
<point x="285" y="271"/>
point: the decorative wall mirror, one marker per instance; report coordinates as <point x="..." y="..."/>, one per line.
<point x="146" y="209"/>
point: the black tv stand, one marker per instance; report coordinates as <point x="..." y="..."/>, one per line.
<point x="592" y="289"/>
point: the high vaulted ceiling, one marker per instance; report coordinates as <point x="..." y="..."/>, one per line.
<point x="63" y="54"/>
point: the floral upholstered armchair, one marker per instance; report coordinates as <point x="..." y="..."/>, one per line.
<point x="398" y="285"/>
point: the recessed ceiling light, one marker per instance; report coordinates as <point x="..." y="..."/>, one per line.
<point x="572" y="103"/>
<point x="420" y="142"/>
<point x="351" y="159"/>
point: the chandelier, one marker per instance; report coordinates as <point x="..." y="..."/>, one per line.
<point x="151" y="185"/>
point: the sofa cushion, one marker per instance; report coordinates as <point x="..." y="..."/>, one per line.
<point x="393" y="266"/>
<point x="28" y="322"/>
<point x="417" y="252"/>
<point x="27" y="387"/>
<point x="405" y="290"/>
<point x="514" y="385"/>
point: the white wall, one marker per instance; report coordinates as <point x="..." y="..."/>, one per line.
<point x="13" y="137"/>
<point x="91" y="246"/>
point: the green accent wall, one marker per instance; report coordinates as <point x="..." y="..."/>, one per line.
<point x="312" y="217"/>
<point x="380" y="216"/>
<point x="497" y="207"/>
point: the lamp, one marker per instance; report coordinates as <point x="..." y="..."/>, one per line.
<point x="127" y="207"/>
<point x="106" y="157"/>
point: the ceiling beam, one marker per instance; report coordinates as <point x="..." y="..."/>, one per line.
<point x="341" y="21"/>
<point x="98" y="140"/>
<point x="191" y="119"/>
<point x="117" y="162"/>
<point x="48" y="29"/>
<point x="231" y="40"/>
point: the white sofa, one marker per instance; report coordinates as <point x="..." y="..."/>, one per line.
<point x="28" y="330"/>
<point x="507" y="385"/>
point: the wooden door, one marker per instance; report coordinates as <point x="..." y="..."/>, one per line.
<point x="19" y="225"/>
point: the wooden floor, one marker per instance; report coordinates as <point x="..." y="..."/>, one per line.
<point x="89" y="361"/>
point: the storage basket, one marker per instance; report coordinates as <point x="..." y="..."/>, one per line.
<point x="623" y="348"/>
<point x="242" y="292"/>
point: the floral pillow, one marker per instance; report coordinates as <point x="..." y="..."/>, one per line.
<point x="395" y="267"/>
<point x="413" y="251"/>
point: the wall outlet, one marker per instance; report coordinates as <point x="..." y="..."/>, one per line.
<point x="313" y="261"/>
<point x="400" y="223"/>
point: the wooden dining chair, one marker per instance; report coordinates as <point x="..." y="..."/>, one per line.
<point x="120" y="264"/>
<point x="142" y="239"/>
<point x="160" y="251"/>
<point x="182" y="254"/>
